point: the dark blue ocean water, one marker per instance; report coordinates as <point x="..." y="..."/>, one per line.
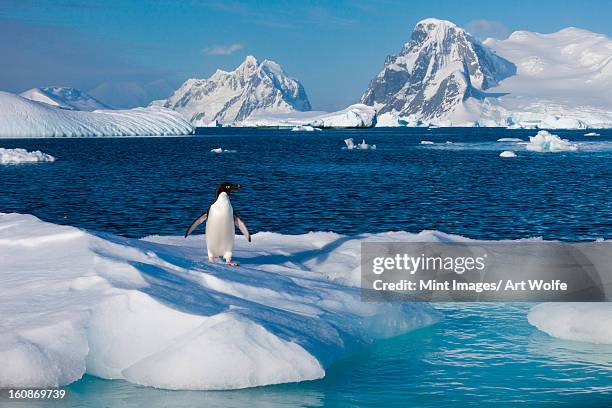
<point x="295" y="182"/>
<point x="479" y="355"/>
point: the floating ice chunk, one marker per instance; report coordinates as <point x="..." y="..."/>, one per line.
<point x="590" y="322"/>
<point x="15" y="156"/>
<point x="507" y="153"/>
<point x="544" y="141"/>
<point x="592" y="134"/>
<point x="510" y="139"/>
<point x="151" y="312"/>
<point x="449" y="142"/>
<point x="221" y="150"/>
<point x="426" y="142"/>
<point x="304" y="128"/>
<point x="350" y="145"/>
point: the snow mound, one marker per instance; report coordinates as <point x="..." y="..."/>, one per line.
<point x="354" y="116"/>
<point x="15" y="156"/>
<point x="507" y="154"/>
<point x="21" y="117"/>
<point x="153" y="312"/>
<point x="350" y="145"/>
<point x="221" y="150"/>
<point x="590" y="322"/>
<point x="544" y="141"/>
<point x="510" y="139"/>
<point x="592" y="134"/>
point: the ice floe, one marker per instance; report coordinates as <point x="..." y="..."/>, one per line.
<point x="16" y="156"/>
<point x="154" y="312"/>
<point x="426" y="142"/>
<point x="544" y="141"/>
<point x="507" y="154"/>
<point x="219" y="150"/>
<point x="510" y="139"/>
<point x="590" y="322"/>
<point x="592" y="134"/>
<point x="21" y="117"/>
<point x="304" y="128"/>
<point x="350" y="145"/>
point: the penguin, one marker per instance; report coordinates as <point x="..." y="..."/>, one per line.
<point x="221" y="223"/>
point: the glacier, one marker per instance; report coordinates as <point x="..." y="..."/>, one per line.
<point x="17" y="156"/>
<point x="64" y="97"/>
<point x="22" y="118"/>
<point x="153" y="312"/>
<point x="353" y="116"/>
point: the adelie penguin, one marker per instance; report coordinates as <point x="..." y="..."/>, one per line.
<point x="221" y="223"/>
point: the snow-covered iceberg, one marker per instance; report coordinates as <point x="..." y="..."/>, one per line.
<point x="16" y="156"/>
<point x="354" y="116"/>
<point x="350" y="145"/>
<point x="544" y="141"/>
<point x="153" y="312"/>
<point x="507" y="154"/>
<point x="590" y="322"/>
<point x="21" y="117"/>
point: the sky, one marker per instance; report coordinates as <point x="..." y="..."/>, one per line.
<point x="333" y="47"/>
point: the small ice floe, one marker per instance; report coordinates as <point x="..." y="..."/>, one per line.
<point x="544" y="141"/>
<point x="16" y="156"/>
<point x="426" y="142"/>
<point x="221" y="150"/>
<point x="510" y="139"/>
<point x="592" y="134"/>
<point x="507" y="153"/>
<point x="449" y="142"/>
<point x="350" y="145"/>
<point x="304" y="128"/>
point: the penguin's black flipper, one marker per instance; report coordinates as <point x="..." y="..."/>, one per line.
<point x="242" y="227"/>
<point x="196" y="222"/>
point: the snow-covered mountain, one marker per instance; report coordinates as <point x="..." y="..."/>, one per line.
<point x="64" y="97"/>
<point x="441" y="66"/>
<point x="228" y="97"/>
<point x="21" y="117"/>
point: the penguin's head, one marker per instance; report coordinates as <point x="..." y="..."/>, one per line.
<point x="227" y="188"/>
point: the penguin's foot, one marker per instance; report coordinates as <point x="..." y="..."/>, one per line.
<point x="230" y="263"/>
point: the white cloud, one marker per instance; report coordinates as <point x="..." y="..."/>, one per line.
<point x="221" y="49"/>
<point x="487" y="28"/>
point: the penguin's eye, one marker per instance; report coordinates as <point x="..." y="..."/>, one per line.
<point x="227" y="186"/>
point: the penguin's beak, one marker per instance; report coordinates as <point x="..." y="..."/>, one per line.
<point x="236" y="187"/>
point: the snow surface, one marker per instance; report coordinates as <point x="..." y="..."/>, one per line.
<point x="16" y="156"/>
<point x="507" y="154"/>
<point x="544" y="141"/>
<point x="21" y="117"/>
<point x="64" y="97"/>
<point x="228" y="97"/>
<point x="354" y="116"/>
<point x="154" y="312"/>
<point x="590" y="322"/>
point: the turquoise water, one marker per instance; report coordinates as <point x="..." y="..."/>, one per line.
<point x="479" y="355"/>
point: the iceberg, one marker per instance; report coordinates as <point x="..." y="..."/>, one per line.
<point x="510" y="139"/>
<point x="592" y="134"/>
<point x="589" y="322"/>
<point x="16" y="156"/>
<point x="354" y="116"/>
<point x="426" y="142"/>
<point x="153" y="312"/>
<point x="544" y="141"/>
<point x="305" y="128"/>
<point x="221" y="150"/>
<point x="350" y="145"/>
<point x="21" y="118"/>
<point x="507" y="154"/>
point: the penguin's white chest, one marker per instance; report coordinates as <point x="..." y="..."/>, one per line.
<point x="220" y="227"/>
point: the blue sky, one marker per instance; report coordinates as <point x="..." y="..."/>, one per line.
<point x="333" y="47"/>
